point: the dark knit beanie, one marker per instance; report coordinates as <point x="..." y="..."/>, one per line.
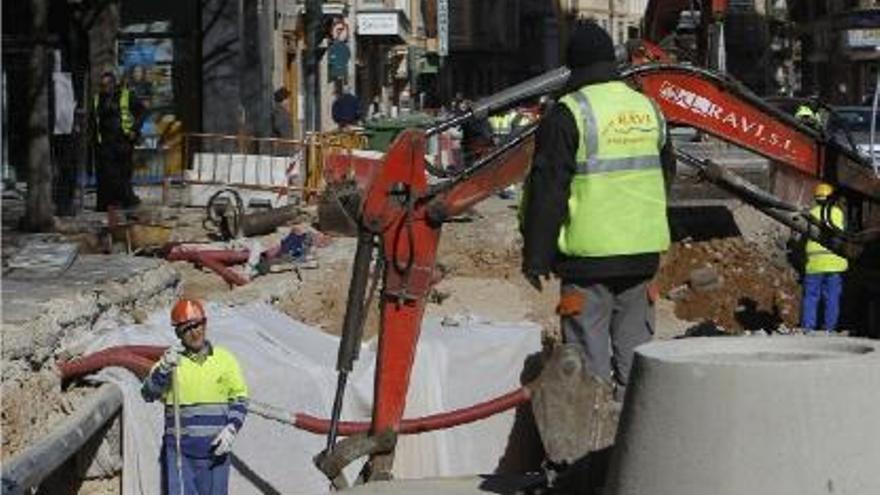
<point x="281" y="94"/>
<point x="588" y="44"/>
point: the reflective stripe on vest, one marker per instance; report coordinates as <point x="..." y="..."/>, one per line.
<point x="501" y="123"/>
<point x="618" y="181"/>
<point x="126" y="119"/>
<point x="819" y="258"/>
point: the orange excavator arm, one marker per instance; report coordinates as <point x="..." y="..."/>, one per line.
<point x="726" y="109"/>
<point x="400" y="215"/>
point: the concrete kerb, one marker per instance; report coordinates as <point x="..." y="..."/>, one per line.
<point x="781" y="415"/>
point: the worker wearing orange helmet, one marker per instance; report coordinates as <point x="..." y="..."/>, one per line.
<point x="206" y="401"/>
<point x="823" y="280"/>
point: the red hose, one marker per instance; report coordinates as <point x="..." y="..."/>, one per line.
<point x="149" y="352"/>
<point x="139" y="365"/>
<point x="139" y="359"/>
<point x="423" y="424"/>
<point x="231" y="276"/>
<point x="152" y="352"/>
<point x="224" y="256"/>
<point x="216" y="260"/>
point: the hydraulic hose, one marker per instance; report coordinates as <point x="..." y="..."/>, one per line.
<point x="126" y="357"/>
<point x="410" y="426"/>
<point x="139" y="365"/>
<point x="225" y="256"/>
<point x="231" y="276"/>
<point x="216" y="260"/>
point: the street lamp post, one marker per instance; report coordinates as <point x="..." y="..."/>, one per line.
<point x="314" y="13"/>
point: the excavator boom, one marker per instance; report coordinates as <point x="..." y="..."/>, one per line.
<point x="401" y="214"/>
<point x="726" y="109"/>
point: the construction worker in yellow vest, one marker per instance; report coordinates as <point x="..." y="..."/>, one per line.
<point x="594" y="207"/>
<point x="823" y="273"/>
<point x="117" y="119"/>
<point x="809" y="117"/>
<point x="520" y="121"/>
<point x="509" y="123"/>
<point x="500" y="124"/>
<point x="206" y="401"/>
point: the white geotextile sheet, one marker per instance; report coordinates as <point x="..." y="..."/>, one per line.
<point x="292" y="366"/>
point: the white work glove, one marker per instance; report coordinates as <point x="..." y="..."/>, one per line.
<point x="223" y="441"/>
<point x="170" y="359"/>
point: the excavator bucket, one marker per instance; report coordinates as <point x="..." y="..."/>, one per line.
<point x="573" y="408"/>
<point x="347" y="174"/>
<point x="339" y="209"/>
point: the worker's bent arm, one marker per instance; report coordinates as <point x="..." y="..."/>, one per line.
<point x="546" y="190"/>
<point x="156" y="384"/>
<point x="238" y="394"/>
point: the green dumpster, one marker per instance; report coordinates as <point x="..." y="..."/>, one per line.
<point x="380" y="132"/>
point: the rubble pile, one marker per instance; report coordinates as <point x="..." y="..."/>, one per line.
<point x="731" y="283"/>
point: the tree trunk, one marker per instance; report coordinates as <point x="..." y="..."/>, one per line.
<point x="39" y="205"/>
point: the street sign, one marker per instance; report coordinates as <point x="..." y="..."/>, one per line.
<point x="378" y="23"/>
<point x="863" y="38"/>
<point x="443" y="27"/>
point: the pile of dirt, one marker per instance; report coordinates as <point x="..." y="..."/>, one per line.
<point x="30" y="406"/>
<point x="731" y="283"/>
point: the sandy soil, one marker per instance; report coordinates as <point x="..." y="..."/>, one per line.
<point x="753" y="292"/>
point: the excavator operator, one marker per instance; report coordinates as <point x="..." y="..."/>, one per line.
<point x="594" y="207"/>
<point x="808" y="116"/>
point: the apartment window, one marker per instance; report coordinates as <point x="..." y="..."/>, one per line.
<point x="633" y="33"/>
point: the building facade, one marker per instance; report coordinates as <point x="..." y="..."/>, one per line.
<point x="493" y="44"/>
<point x="840" y="45"/>
<point x="621" y="18"/>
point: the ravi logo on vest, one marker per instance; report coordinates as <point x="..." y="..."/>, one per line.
<point x="630" y="127"/>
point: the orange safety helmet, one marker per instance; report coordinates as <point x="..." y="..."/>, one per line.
<point x="187" y="311"/>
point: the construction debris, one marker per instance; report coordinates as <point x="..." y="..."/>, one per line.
<point x="730" y="282"/>
<point x="42" y="256"/>
<point x="295" y="250"/>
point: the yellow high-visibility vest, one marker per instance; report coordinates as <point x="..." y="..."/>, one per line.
<point x="819" y="258"/>
<point x="617" y="204"/>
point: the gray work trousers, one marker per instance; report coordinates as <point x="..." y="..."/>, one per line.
<point x="607" y="319"/>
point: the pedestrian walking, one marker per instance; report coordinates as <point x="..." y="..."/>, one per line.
<point x="594" y="207"/>
<point x="823" y="273"/>
<point x="117" y="119"/>
<point x="206" y="401"/>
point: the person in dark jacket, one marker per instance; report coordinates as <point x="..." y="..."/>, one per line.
<point x="594" y="207"/>
<point x="476" y="135"/>
<point x="346" y="110"/>
<point x="282" y="125"/>
<point x="118" y="116"/>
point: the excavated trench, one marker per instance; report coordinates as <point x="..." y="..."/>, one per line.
<point x="758" y="289"/>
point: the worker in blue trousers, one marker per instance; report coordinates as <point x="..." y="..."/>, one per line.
<point x="823" y="277"/>
<point x="206" y="401"/>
